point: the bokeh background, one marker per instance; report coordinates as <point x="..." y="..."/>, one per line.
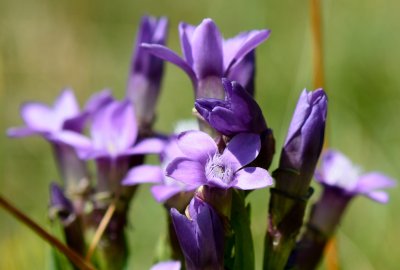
<point x="47" y="45"/>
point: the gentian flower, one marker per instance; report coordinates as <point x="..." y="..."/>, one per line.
<point x="114" y="134"/>
<point x="208" y="58"/>
<point x="341" y="180"/>
<point x="200" y="235"/>
<point x="49" y="122"/>
<point x="237" y="113"/>
<point x="338" y="172"/>
<point x="203" y="164"/>
<point x="244" y="71"/>
<point x="146" y="70"/>
<point x="114" y="138"/>
<point x="167" y="265"/>
<point x="164" y="186"/>
<point x="299" y="157"/>
<point x="41" y="119"/>
<point x="304" y="140"/>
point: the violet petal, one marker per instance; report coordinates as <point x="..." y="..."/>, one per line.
<point x="143" y="174"/>
<point x="252" y="178"/>
<point x="187" y="171"/>
<point x="207" y="50"/>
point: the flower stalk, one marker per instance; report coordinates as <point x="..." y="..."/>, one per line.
<point x="72" y="255"/>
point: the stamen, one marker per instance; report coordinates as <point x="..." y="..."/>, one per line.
<point x="216" y="168"/>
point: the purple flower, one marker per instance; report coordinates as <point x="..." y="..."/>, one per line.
<point x="65" y="114"/>
<point x="244" y="71"/>
<point x="114" y="134"/>
<point x="208" y="58"/>
<point x="203" y="164"/>
<point x="341" y="181"/>
<point x="238" y="113"/>
<point x="164" y="186"/>
<point x="167" y="265"/>
<point x="305" y="137"/>
<point x="49" y="122"/>
<point x="41" y="119"/>
<point x="97" y="101"/>
<point x="337" y="171"/>
<point x="146" y="70"/>
<point x="200" y="236"/>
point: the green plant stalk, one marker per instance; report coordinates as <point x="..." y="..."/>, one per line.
<point x="285" y="219"/>
<point x="72" y="255"/>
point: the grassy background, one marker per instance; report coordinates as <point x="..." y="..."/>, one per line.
<point x="47" y="45"/>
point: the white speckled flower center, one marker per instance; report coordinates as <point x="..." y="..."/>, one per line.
<point x="216" y="168"/>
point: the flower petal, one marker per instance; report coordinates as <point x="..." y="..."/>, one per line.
<point x="374" y="181"/>
<point x="170" y="56"/>
<point x="163" y="192"/>
<point x="185" y="228"/>
<point x="186" y="34"/>
<point x="40" y="117"/>
<point x="250" y="41"/>
<point x="66" y="105"/>
<point x="226" y="121"/>
<point x="143" y="174"/>
<point x="197" y="145"/>
<point x="207" y="50"/>
<point x="19" y="132"/>
<point x="147" y="146"/>
<point x="242" y="149"/>
<point x="378" y="196"/>
<point x="252" y="178"/>
<point x="83" y="145"/>
<point x="187" y="171"/>
<point x="167" y="265"/>
<point x="114" y="128"/>
<point x="98" y="101"/>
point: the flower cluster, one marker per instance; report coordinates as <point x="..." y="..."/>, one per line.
<point x="206" y="173"/>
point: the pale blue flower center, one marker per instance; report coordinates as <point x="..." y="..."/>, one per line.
<point x="216" y="168"/>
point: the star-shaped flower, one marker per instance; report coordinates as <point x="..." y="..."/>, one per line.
<point x="204" y="164"/>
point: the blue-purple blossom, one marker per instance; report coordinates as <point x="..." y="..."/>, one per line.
<point x="113" y="134"/>
<point x="146" y="70"/>
<point x="237" y="113"/>
<point x="41" y="119"/>
<point x="207" y="57"/>
<point x="167" y="265"/>
<point x="200" y="235"/>
<point x="338" y="172"/>
<point x="305" y="137"/>
<point x="203" y="163"/>
<point x="164" y="186"/>
<point x="51" y="121"/>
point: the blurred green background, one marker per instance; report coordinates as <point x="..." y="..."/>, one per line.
<point x="47" y="45"/>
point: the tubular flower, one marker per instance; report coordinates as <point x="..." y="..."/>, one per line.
<point x="114" y="134"/>
<point x="342" y="180"/>
<point x="51" y="122"/>
<point x="303" y="143"/>
<point x="200" y="235"/>
<point x="146" y="70"/>
<point x="207" y="57"/>
<point x="237" y="113"/>
<point x="203" y="164"/>
<point x="41" y="119"/>
<point x="338" y="172"/>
